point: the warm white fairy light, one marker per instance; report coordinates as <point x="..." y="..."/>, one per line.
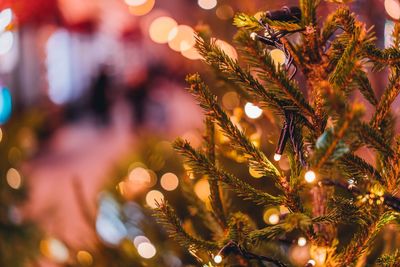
<point x="218" y="259"/>
<point x="310" y="176"/>
<point x="302" y="241"/>
<point x="253" y="36"/>
<point x="252" y="111"/>
<point x="273" y="218"/>
<point x="311" y="262"/>
<point x="146" y="250"/>
<point x="207" y="4"/>
<point x="277" y="157"/>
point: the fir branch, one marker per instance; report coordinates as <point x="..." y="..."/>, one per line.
<point x="371" y="137"/>
<point x="242" y="20"/>
<point x="329" y="146"/>
<point x="389" y="260"/>
<point x="215" y="57"/>
<point x="200" y="163"/>
<point x="215" y="194"/>
<point x="341" y="19"/>
<point x="391" y="92"/>
<point x="293" y="221"/>
<point x="166" y="216"/>
<point x="276" y="78"/>
<point x="356" y="168"/>
<point x="240" y="225"/>
<point x="382" y="57"/>
<point x="209" y="103"/>
<point x="308" y="12"/>
<point x="361" y="79"/>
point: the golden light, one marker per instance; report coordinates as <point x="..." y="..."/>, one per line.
<point x="224" y="12"/>
<point x="278" y="57"/>
<point x="392" y="7"/>
<point x="277" y="157"/>
<point x="309" y="176"/>
<point x="227" y="48"/>
<point x="54" y="249"/>
<point x="146" y="250"/>
<point x="160" y="29"/>
<point x="283" y="210"/>
<point x="302" y="241"/>
<point x="1" y="134"/>
<point x="154" y="196"/>
<point x="202" y="189"/>
<point x="207" y="4"/>
<point x="135" y="2"/>
<point x="84" y="258"/>
<point x="14" y="179"/>
<point x="191" y="53"/>
<point x="255" y="173"/>
<point x="318" y="254"/>
<point x="218" y="259"/>
<point x="169" y="181"/>
<point x="140" y="176"/>
<point x="6" y="17"/>
<point x="143" y="9"/>
<point x="271" y="216"/>
<point x="252" y="111"/>
<point x="181" y="38"/>
<point x="139" y="240"/>
<point x="230" y="100"/>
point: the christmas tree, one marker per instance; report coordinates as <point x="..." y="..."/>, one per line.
<point x="332" y="197"/>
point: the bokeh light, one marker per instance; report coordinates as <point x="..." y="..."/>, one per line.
<point x="230" y="100"/>
<point x="191" y="53"/>
<point x="141" y="10"/>
<point x="181" y="38"/>
<point x="202" y="189"/>
<point x="139" y="240"/>
<point x="252" y="111"/>
<point x="14" y="178"/>
<point x="5" y="105"/>
<point x="153" y="197"/>
<point x="271" y="216"/>
<point x="6" y="42"/>
<point x="54" y="249"/>
<point x="1" y="135"/>
<point x="392" y="7"/>
<point x="224" y="12"/>
<point x="84" y="258"/>
<point x="311" y="262"/>
<point x="135" y="2"/>
<point x="160" y="28"/>
<point x="227" y="48"/>
<point x="207" y="4"/>
<point x="6" y="17"/>
<point x="146" y="250"/>
<point x="169" y="181"/>
<point x="140" y="176"/>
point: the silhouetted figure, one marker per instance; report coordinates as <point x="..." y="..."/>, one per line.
<point x="100" y="100"/>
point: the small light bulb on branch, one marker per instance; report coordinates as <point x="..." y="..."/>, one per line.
<point x="302" y="241"/>
<point x="310" y="176"/>
<point x="218" y="259"/>
<point x="311" y="263"/>
<point x="253" y="36"/>
<point x="277" y="157"/>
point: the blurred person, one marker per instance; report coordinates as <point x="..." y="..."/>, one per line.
<point x="100" y="101"/>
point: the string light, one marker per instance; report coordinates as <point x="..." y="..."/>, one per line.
<point x="278" y="57"/>
<point x="143" y="9"/>
<point x="6" y="17"/>
<point x="207" y="4"/>
<point x="169" y="181"/>
<point x="252" y="111"/>
<point x="14" y="179"/>
<point x="310" y="176"/>
<point x="218" y="259"/>
<point x="277" y="157"/>
<point x="84" y="258"/>
<point x="302" y="241"/>
<point x="135" y="2"/>
<point x="311" y="262"/>
<point x="181" y="38"/>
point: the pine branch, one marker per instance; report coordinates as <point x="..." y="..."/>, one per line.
<point x="166" y="216"/>
<point x="200" y="163"/>
<point x="391" y="92"/>
<point x="372" y="138"/>
<point x="215" y="57"/>
<point x="341" y="19"/>
<point x="363" y="84"/>
<point x="356" y="168"/>
<point x="209" y="103"/>
<point x="276" y="79"/>
<point x="242" y="20"/>
<point x="215" y="197"/>
<point x="293" y="221"/>
<point x="387" y="260"/>
<point x="382" y="57"/>
<point x="308" y="11"/>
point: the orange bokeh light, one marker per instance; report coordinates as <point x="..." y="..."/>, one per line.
<point x="160" y="28"/>
<point x="143" y="9"/>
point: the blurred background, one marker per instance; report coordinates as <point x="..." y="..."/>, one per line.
<point x="91" y="94"/>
